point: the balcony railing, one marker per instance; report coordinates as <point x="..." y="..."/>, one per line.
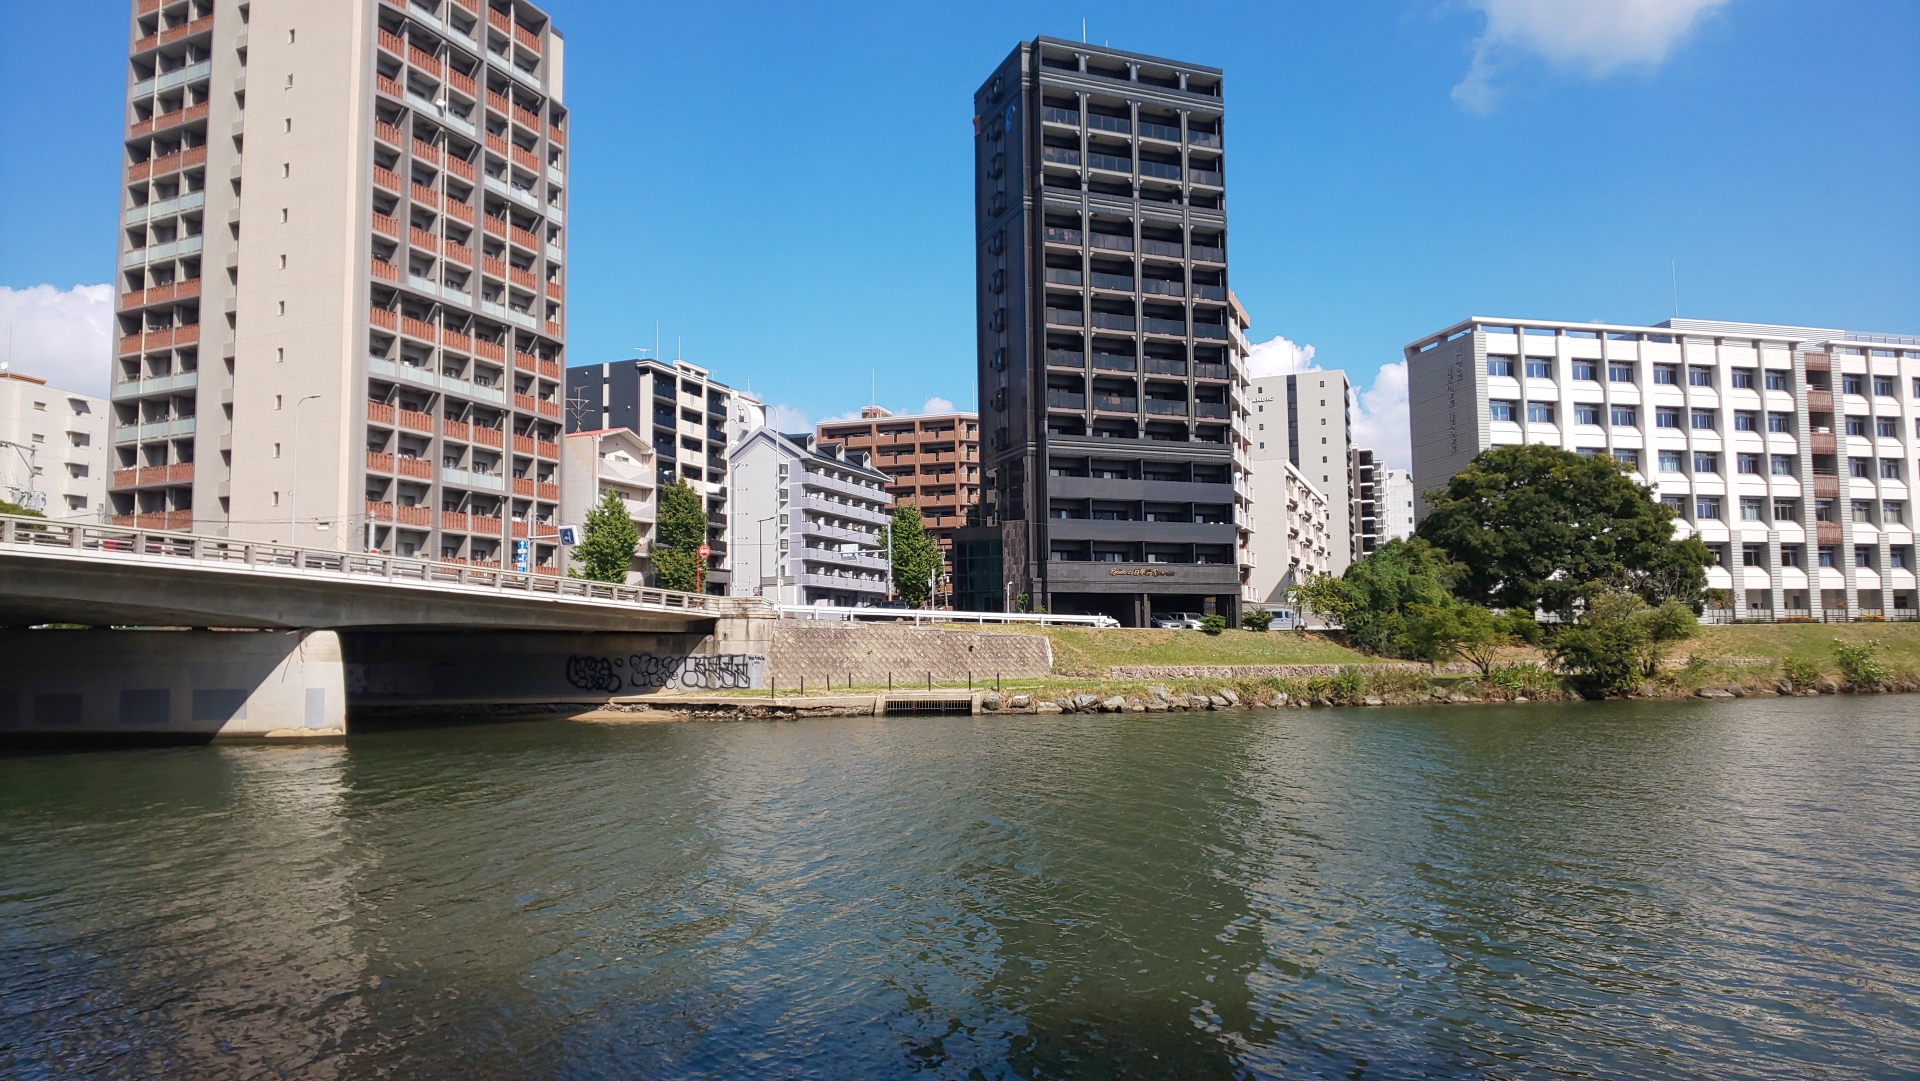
<point x="1096" y="122"/>
<point x="1051" y="115"/>
<point x="1060" y="155"/>
<point x="1065" y="317"/>
<point x="1110" y="162"/>
<point x="1205" y="176"/>
<point x="1167" y="407"/>
<point x="1112" y="242"/>
<point x="1056" y="235"/>
<point x="1202" y="138"/>
<point x="1212" y="410"/>
<point x="1109" y="321"/>
<point x="1162" y="247"/>
<point x="1065" y="399"/>
<point x="1214" y="331"/>
<point x="1115" y="403"/>
<point x="1065" y="358"/>
<point x="1160" y="170"/>
<point x="1209" y="255"/>
<point x="1167" y="133"/>
<point x="1177" y="327"/>
<point x="1163" y="288"/>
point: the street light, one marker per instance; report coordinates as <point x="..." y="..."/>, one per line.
<point x="293" y="488"/>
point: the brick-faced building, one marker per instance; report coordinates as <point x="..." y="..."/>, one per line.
<point x="933" y="460"/>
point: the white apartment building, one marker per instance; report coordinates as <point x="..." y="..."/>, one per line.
<point x="807" y="521"/>
<point x="1311" y="426"/>
<point x="610" y="460"/>
<point x="53" y="448"/>
<point x="1294" y="542"/>
<point x="1788" y="450"/>
<point x="1239" y="396"/>
<point x="342" y="275"/>
<point x="1396" y="505"/>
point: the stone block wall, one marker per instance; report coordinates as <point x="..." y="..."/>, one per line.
<point x="821" y="652"/>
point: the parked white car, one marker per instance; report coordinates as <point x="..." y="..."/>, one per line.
<point x="1176" y="621"/>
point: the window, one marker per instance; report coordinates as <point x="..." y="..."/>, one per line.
<point x="1743" y="378"/>
<point x="1780" y="422"/>
<point x="1786" y="510"/>
<point x="1852" y="384"/>
<point x="1856" y="425"/>
<point x="1673" y="502"/>
<point x="1628" y="458"/>
<point x="1753" y="555"/>
<point x="1539" y="412"/>
<point x="1583" y="371"/>
<point x="1664" y="417"/>
<point x="1501" y="410"/>
<point x="1619" y="373"/>
<point x="1666" y="375"/>
<point x="1862" y="510"/>
<point x="1887" y="427"/>
<point x="1883" y="387"/>
<point x="1539" y="368"/>
<point x="1746" y="420"/>
<point x="1783" y="465"/>
<point x="1889" y="469"/>
<point x="1777" y="381"/>
<point x="1499" y="365"/>
<point x="1916" y="385"/>
<point x="1703" y="420"/>
<point x="1706" y="463"/>
<point x="1672" y="461"/>
<point x="1586" y="414"/>
<point x="1698" y="376"/>
<point x="1791" y="555"/>
<point x="1897" y="557"/>
<point x="1862" y="556"/>
<point x="1718" y="554"/>
<point x="1893" y="512"/>
<point x="1707" y="507"/>
<point x="1628" y="417"/>
<point x="1860" y="467"/>
<point x="1823" y="511"/>
<point x="1827" y="556"/>
<point x="1748" y="464"/>
<point x="1750" y="510"/>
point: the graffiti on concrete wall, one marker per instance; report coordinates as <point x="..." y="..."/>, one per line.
<point x="673" y="672"/>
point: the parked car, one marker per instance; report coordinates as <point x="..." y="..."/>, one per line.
<point x="1176" y="621"/>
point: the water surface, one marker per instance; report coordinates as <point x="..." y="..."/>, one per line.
<point x="1650" y="890"/>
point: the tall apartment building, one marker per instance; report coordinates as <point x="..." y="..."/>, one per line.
<point x="1106" y="377"/>
<point x="1366" y="512"/>
<point x="933" y="461"/>
<point x="1396" y="505"/>
<point x="610" y="460"/>
<point x="366" y="203"/>
<point x="1789" y="451"/>
<point x="1311" y="426"/>
<point x="684" y="414"/>
<point x="53" y="448"/>
<point x="810" y="516"/>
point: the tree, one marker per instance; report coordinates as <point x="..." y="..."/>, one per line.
<point x="1256" y="619"/>
<point x="1619" y="640"/>
<point x="1536" y="527"/>
<point x="17" y="509"/>
<point x="606" y="552"/>
<point x="1468" y="631"/>
<point x="916" y="556"/>
<point x="681" y="530"/>
<point x="1376" y="599"/>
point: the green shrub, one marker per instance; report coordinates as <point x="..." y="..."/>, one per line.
<point x="1213" y="624"/>
<point x="1800" y="673"/>
<point x="1858" y="664"/>
<point x="1256" y="619"/>
<point x="1523" y="679"/>
<point x="1350" y="684"/>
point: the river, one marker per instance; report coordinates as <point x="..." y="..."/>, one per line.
<point x="1623" y="890"/>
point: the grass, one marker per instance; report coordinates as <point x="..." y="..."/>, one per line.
<point x="1808" y="642"/>
<point x="1081" y="651"/>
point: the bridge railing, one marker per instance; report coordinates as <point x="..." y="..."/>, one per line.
<point x="138" y="544"/>
<point x="919" y="616"/>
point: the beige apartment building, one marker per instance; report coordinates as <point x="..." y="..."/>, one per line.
<point x="342" y="275"/>
<point x="931" y="461"/>
<point x="613" y="460"/>
<point x="53" y="448"/>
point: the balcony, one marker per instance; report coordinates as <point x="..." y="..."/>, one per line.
<point x="1160" y="170"/>
<point x="413" y="420"/>
<point x="417" y="328"/>
<point x="1212" y="331"/>
<point x="1096" y="122"/>
<point x="153" y="475"/>
<point x="425" y="196"/>
<point x="153" y="429"/>
<point x="547" y="450"/>
<point x="1060" y="155"/>
<point x="1112" y="163"/>
<point x="1065" y="399"/>
<point x="1052" y="115"/>
<point x="1065" y="317"/>
<point x="1175" y="327"/>
<point x="1163" y="132"/>
<point x="1211" y="292"/>
<point x="1203" y="370"/>
<point x="1065" y="358"/>
<point x="1167" y="407"/>
<point x="1071" y="237"/>
<point x="1158" y="287"/>
<point x="1202" y="138"/>
<point x="1209" y="255"/>
<point x="1205" y="176"/>
<point x="1110" y="321"/>
<point x="164" y="121"/>
<point x="172" y="519"/>
<point x="158" y="384"/>
<point x="489" y="437"/>
<point x="1116" y="403"/>
<point x="1170" y="248"/>
<point x="1112" y="242"/>
<point x="388" y="179"/>
<point x="1211" y="410"/>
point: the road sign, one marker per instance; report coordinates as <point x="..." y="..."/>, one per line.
<point x="569" y="536"/>
<point x="520" y="560"/>
<point x="705" y="550"/>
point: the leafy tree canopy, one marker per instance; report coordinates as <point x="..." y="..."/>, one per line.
<point x="681" y="529"/>
<point x="1538" y="527"/>
<point x="606" y="552"/>
<point x="1376" y="599"/>
<point x="1620" y="640"/>
<point x="915" y="554"/>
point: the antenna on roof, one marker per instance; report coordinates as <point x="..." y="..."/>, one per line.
<point x="1673" y="266"/>
<point x="1083" y="29"/>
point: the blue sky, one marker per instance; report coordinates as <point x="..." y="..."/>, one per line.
<point x="785" y="188"/>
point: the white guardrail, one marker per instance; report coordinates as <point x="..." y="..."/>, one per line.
<point x="116" y="544"/>
<point x="923" y="616"/>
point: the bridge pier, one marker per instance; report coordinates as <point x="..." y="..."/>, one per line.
<point x="187" y="685"/>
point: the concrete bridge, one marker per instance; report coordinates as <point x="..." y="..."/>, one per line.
<point x="200" y="637"/>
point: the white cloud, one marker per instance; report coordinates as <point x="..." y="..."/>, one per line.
<point x="1380" y="417"/>
<point x="64" y="338"/>
<point x="1593" y="36"/>
<point x="1279" y="356"/>
<point x="937" y="404"/>
<point x="787" y="420"/>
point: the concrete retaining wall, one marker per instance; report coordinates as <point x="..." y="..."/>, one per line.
<point x="409" y="668"/>
<point x="869" y="653"/>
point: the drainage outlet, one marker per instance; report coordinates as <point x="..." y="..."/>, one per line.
<point x="929" y="707"/>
